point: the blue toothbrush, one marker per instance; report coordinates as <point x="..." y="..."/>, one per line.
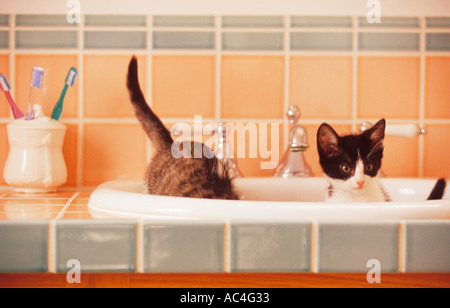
<point x="37" y="77"/>
<point x="70" y="81"/>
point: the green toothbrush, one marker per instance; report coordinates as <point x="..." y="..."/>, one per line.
<point x="70" y="81"/>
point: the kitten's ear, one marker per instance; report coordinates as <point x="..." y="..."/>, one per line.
<point x="327" y="140"/>
<point x="376" y="132"/>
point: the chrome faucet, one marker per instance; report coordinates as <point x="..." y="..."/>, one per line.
<point x="293" y="163"/>
<point x="224" y="151"/>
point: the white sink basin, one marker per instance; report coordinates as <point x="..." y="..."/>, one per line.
<point x="272" y="199"/>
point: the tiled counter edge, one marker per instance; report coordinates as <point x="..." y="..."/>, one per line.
<point x="212" y="246"/>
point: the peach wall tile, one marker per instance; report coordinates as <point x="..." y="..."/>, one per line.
<point x="4" y="150"/>
<point x="113" y="152"/>
<point x="105" y="91"/>
<point x="436" y="150"/>
<point x="56" y="69"/>
<point x="252" y="86"/>
<point x="322" y="86"/>
<point x="4" y="69"/>
<point x="388" y="87"/>
<point x="250" y="153"/>
<point x="183" y="85"/>
<point x="70" y="153"/>
<point x="401" y="157"/>
<point x="437" y="87"/>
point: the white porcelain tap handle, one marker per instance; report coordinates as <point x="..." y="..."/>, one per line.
<point x="404" y="130"/>
<point x="399" y="130"/>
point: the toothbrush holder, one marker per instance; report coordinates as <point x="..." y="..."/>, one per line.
<point x="35" y="162"/>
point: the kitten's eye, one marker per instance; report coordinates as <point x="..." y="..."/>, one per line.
<point x="369" y="167"/>
<point x="345" y="168"/>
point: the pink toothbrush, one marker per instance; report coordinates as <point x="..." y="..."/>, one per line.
<point x="4" y="85"/>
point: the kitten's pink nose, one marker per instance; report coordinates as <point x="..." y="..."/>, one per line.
<point x="360" y="183"/>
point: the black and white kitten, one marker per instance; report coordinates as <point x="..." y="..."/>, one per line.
<point x="352" y="162"/>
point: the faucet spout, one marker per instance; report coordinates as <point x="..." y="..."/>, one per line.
<point x="293" y="163"/>
<point x="224" y="151"/>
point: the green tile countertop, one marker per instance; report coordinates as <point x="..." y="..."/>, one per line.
<point x="44" y="233"/>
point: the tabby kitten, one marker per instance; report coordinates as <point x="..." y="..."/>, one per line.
<point x="186" y="176"/>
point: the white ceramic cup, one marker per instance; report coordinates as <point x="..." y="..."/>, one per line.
<point x="35" y="162"/>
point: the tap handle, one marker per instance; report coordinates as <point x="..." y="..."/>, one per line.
<point x="400" y="130"/>
<point x="293" y="114"/>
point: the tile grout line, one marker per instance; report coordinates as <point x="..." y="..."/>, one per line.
<point x="305" y="53"/>
<point x="354" y="112"/>
<point x="12" y="53"/>
<point x="149" y="85"/>
<point x="314" y="244"/>
<point x="226" y="246"/>
<point x="402" y="246"/>
<point x="287" y="79"/>
<point x="139" y="246"/>
<point x="51" y="247"/>
<point x="68" y="203"/>
<point x="51" y="240"/>
<point x="422" y="46"/>
<point x="243" y="120"/>
<point x="218" y="70"/>
<point x="81" y="102"/>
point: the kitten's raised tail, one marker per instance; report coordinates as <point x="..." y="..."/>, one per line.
<point x="155" y="129"/>
<point x="438" y="190"/>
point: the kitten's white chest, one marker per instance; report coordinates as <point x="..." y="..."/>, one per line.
<point x="372" y="192"/>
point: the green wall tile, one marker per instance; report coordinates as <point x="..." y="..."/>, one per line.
<point x="438" y="41"/>
<point x="252" y="21"/>
<point x="183" y="21"/>
<point x="252" y="41"/>
<point x="438" y="22"/>
<point x="321" y="41"/>
<point x="389" y="41"/>
<point x="43" y="20"/>
<point x="4" y="20"/>
<point x="183" y="40"/>
<point x="409" y="22"/>
<point x="320" y="21"/>
<point x="115" y="40"/>
<point x="115" y="20"/>
<point x="4" y="39"/>
<point x="46" y="39"/>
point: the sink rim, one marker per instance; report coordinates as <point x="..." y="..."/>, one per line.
<point x="107" y="198"/>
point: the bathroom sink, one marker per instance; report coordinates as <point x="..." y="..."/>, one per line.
<point x="271" y="199"/>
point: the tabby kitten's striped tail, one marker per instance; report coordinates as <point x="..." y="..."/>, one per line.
<point x="155" y="129"/>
